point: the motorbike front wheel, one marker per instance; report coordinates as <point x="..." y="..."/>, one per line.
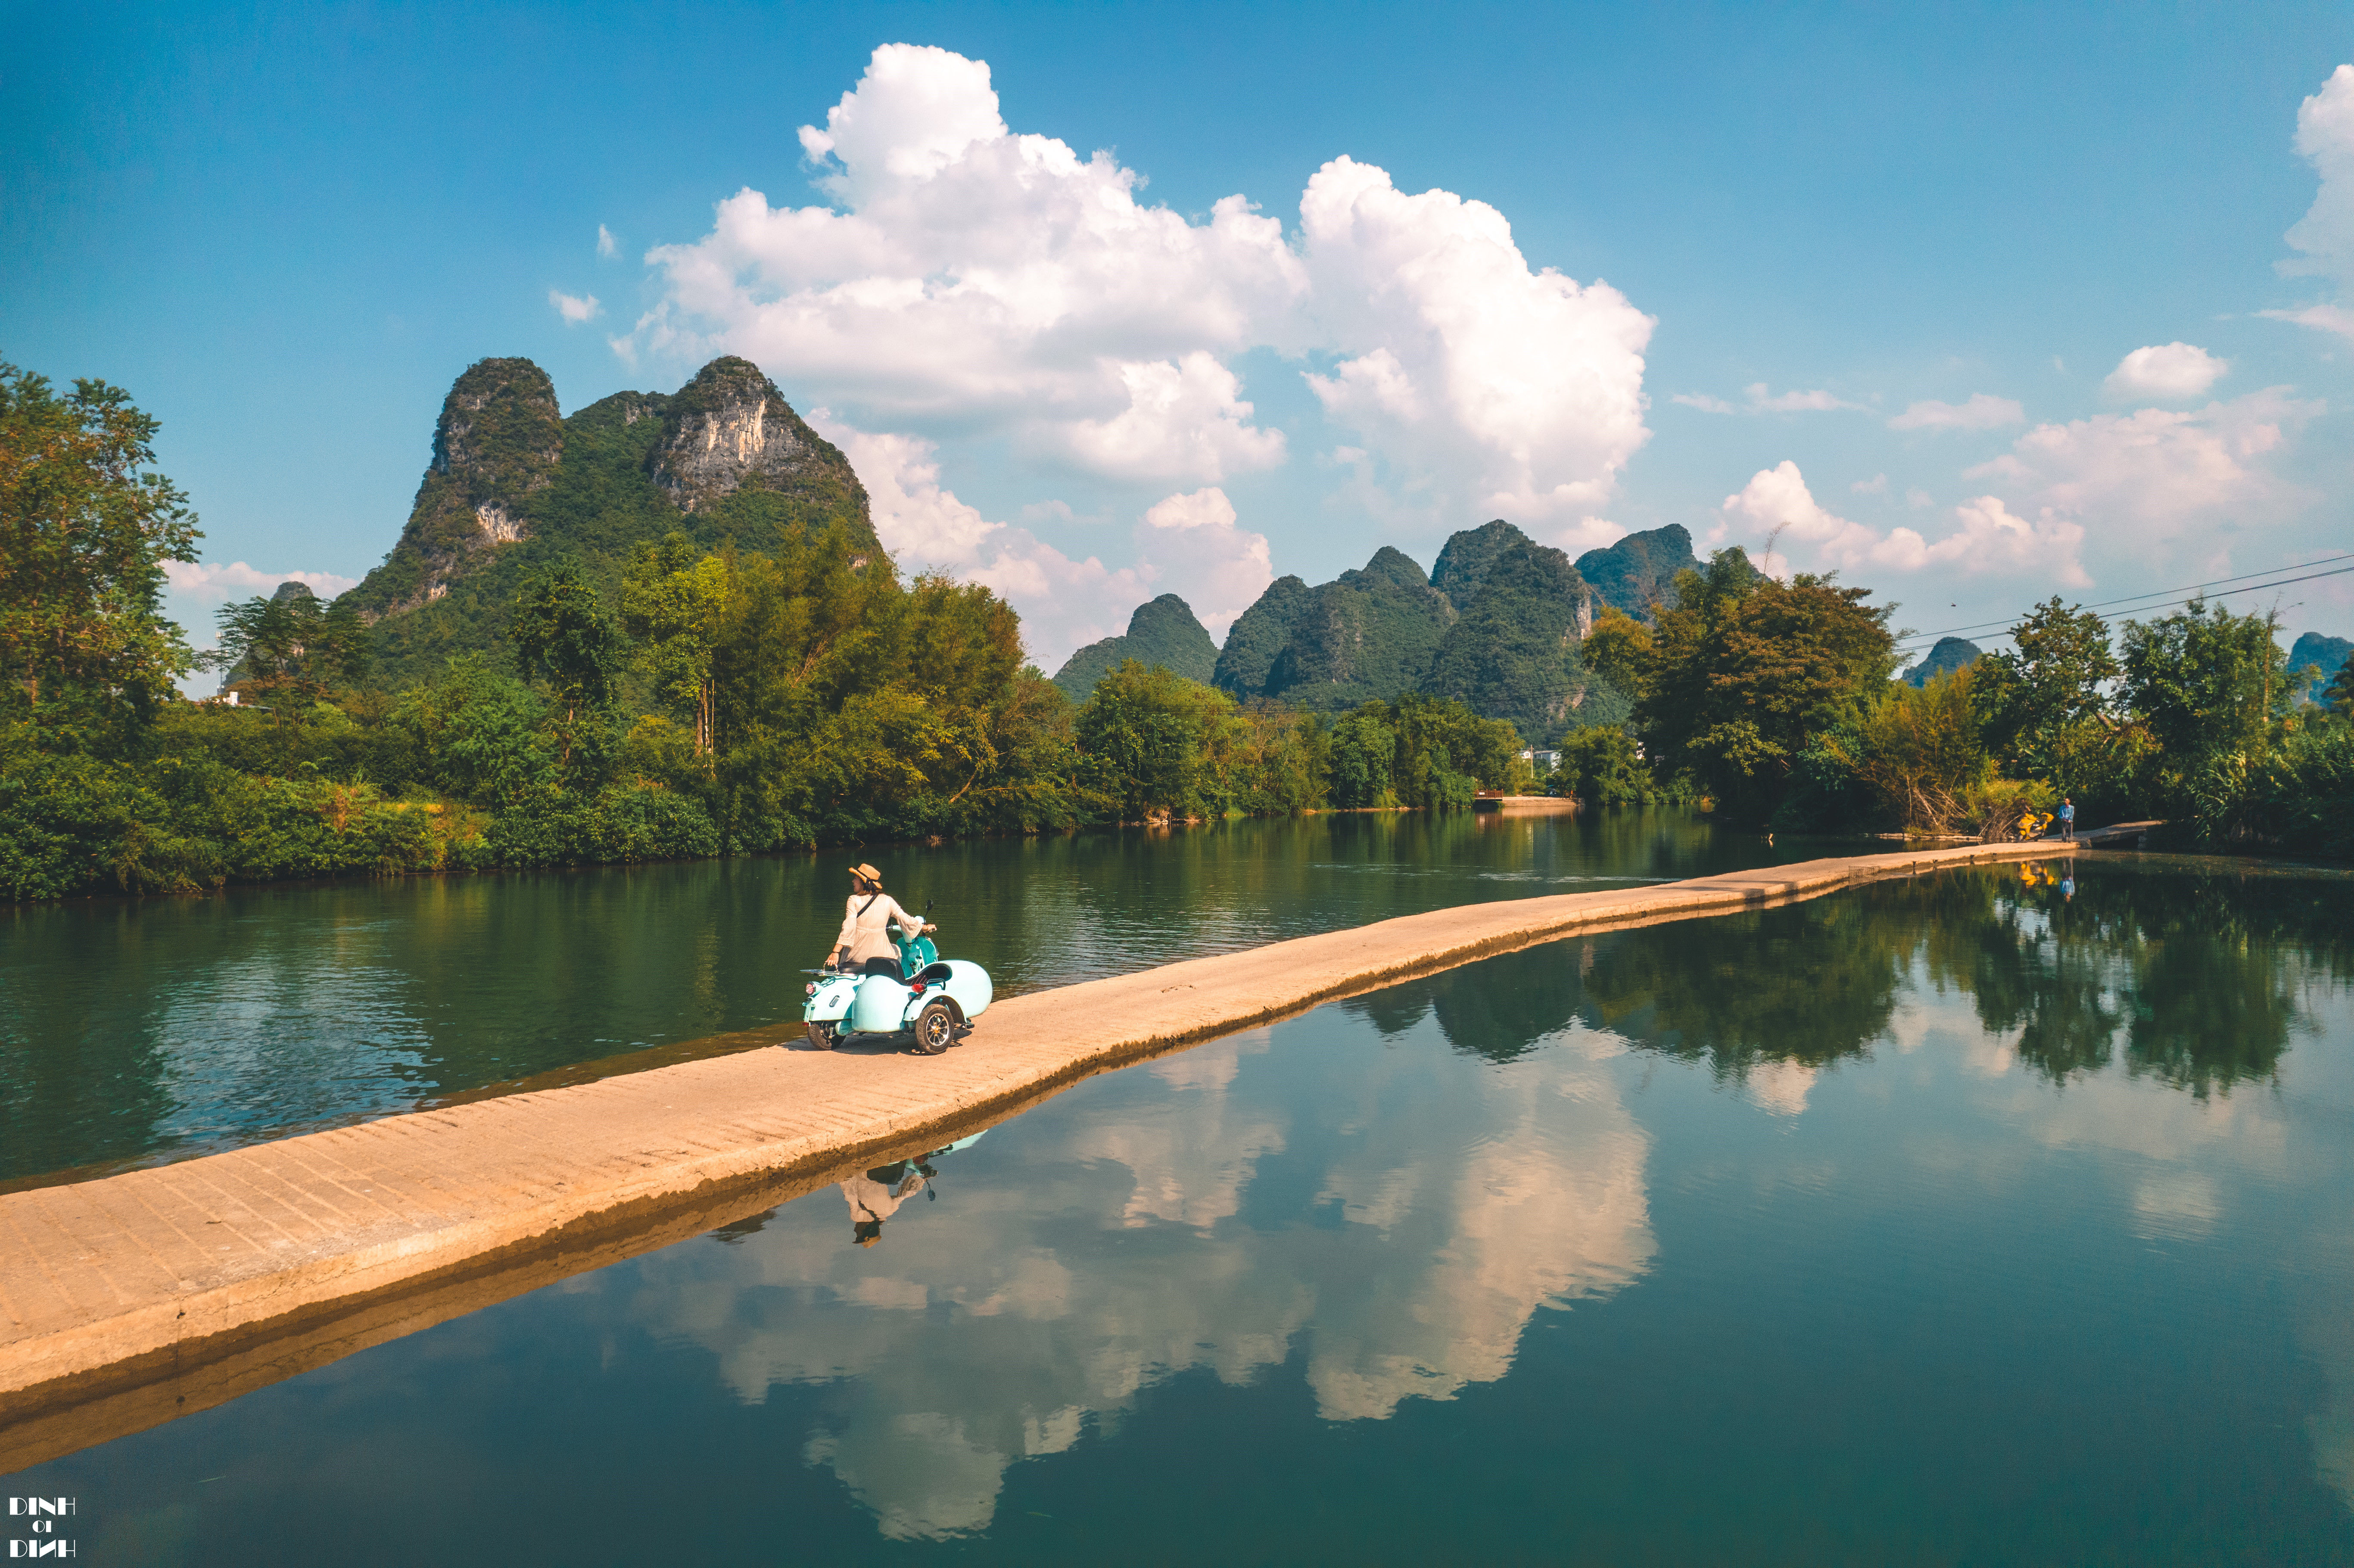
<point x="821" y="1035"/>
<point x="934" y="1027"/>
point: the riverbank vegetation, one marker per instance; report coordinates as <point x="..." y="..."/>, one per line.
<point x="1775" y="700"/>
<point x="731" y="699"/>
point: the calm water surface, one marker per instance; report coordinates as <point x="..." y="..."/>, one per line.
<point x="158" y="1028"/>
<point x="1973" y="1220"/>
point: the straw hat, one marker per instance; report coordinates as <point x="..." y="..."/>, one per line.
<point x="869" y="873"/>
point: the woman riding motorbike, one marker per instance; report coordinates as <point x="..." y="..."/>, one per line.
<point x="865" y="942"/>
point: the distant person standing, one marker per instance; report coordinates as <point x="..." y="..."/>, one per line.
<point x="2067" y="817"/>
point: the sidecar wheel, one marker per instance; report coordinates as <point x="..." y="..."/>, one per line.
<point x="936" y="1027"/>
<point x="821" y="1035"/>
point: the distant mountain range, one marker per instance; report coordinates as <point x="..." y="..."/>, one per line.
<point x="1950" y="653"/>
<point x="2326" y="653"/>
<point x="514" y="482"/>
<point x="1496" y="624"/>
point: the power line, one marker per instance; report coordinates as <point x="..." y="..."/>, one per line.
<point x="2204" y="591"/>
<point x="2192" y="590"/>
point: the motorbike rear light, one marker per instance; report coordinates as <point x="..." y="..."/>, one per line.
<point x="810" y="989"/>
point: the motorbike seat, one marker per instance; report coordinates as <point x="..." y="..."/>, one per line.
<point x="938" y="971"/>
<point x="882" y="967"/>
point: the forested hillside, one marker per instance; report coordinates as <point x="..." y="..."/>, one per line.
<point x="513" y="485"/>
<point x="1951" y="653"/>
<point x="1496" y="626"/>
<point x="1162" y="635"/>
<point x="667" y="631"/>
<point x="2325" y="656"/>
<point x="1640" y="570"/>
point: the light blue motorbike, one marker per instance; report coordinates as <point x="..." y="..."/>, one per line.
<point x="930" y="1002"/>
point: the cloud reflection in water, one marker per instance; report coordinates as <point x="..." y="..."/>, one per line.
<point x="999" y="1322"/>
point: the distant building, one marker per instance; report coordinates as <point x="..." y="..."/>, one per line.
<point x="1542" y="762"/>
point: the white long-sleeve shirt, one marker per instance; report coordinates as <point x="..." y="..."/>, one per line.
<point x="871" y="1200"/>
<point x="862" y="922"/>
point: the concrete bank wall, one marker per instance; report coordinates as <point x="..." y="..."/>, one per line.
<point x="127" y="1300"/>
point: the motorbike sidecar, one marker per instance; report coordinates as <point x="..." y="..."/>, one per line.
<point x="932" y="1002"/>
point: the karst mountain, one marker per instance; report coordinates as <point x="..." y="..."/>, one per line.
<point x="514" y="482"/>
<point x="1496" y="624"/>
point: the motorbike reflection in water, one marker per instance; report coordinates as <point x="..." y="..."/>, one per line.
<point x="875" y="1195"/>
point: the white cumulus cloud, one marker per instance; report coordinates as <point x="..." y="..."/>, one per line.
<point x="974" y="279"/>
<point x="1503" y="390"/>
<point x="2161" y="466"/>
<point x="1191" y="545"/>
<point x="964" y="279"/>
<point x="1982" y="412"/>
<point x="1985" y="536"/>
<point x="1794" y="401"/>
<point x="2325" y="136"/>
<point x="574" y="308"/>
<point x="1185" y="421"/>
<point x="237" y="580"/>
<point x="2322" y="318"/>
<point x="1762" y="400"/>
<point x="2167" y="373"/>
<point x="1585" y="534"/>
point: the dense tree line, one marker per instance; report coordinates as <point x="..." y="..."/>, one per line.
<point x="1774" y="699"/>
<point x="730" y="700"/>
<point x="725" y="701"/>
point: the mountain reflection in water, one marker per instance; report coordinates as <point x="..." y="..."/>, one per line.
<point x="1955" y="1220"/>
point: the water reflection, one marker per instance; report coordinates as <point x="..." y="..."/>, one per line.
<point x="2192" y="985"/>
<point x="875" y="1195"/>
<point x="1008" y="1321"/>
<point x="133" y="1028"/>
<point x="1843" y="1234"/>
<point x="1393" y="1222"/>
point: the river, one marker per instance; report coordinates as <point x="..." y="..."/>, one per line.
<point x="134" y="1030"/>
<point x="1992" y="1216"/>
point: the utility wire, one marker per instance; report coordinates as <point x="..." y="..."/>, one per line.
<point x="2192" y="590"/>
<point x="2206" y="591"/>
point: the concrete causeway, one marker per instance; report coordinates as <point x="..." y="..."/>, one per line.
<point x="127" y="1300"/>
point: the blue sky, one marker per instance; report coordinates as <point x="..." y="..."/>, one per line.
<point x="286" y="232"/>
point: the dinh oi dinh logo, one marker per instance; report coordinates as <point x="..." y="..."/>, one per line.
<point x="35" y="1527"/>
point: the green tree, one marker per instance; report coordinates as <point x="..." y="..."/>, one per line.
<point x="1918" y="750"/>
<point x="563" y="637"/>
<point x="846" y="705"/>
<point x="2339" y="696"/>
<point x="1602" y="765"/>
<point x="2205" y="682"/>
<point x="673" y="601"/>
<point x="1145" y="733"/>
<point x="85" y="529"/>
<point x="1746" y="673"/>
<point x="290" y="647"/>
<point x="1443" y="754"/>
<point x="1619" y="648"/>
<point x="1362" y="749"/>
<point x="2046" y="698"/>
